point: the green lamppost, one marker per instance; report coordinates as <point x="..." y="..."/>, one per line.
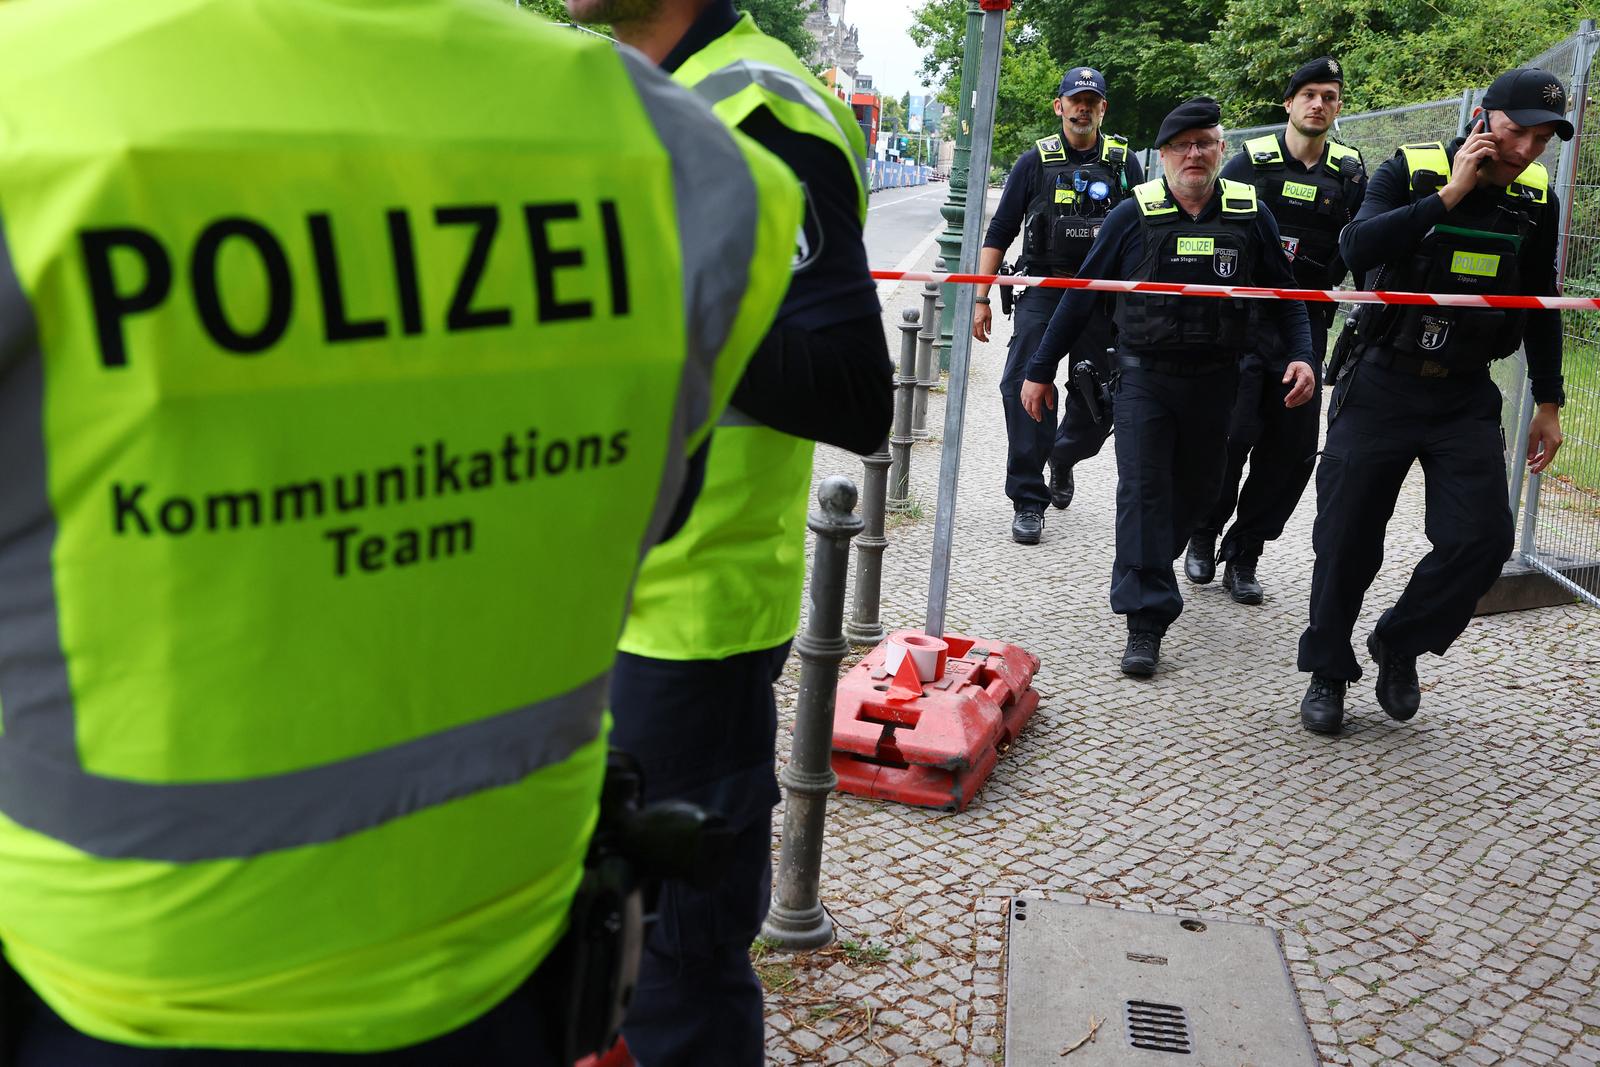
<point x="954" y="209"/>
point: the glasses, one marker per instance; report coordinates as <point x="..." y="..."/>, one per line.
<point x="1205" y="148"/>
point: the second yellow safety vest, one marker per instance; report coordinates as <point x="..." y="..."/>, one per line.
<point x="731" y="580"/>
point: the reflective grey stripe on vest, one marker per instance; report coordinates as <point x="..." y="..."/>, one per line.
<point x="729" y="80"/>
<point x="732" y="416"/>
<point x="717" y="204"/>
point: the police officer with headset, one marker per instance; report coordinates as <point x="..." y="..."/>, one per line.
<point x="1176" y="357"/>
<point x="717" y="606"/>
<point x="336" y="412"/>
<point x="1057" y="195"/>
<point x="1475" y="216"/>
<point x="1313" y="186"/>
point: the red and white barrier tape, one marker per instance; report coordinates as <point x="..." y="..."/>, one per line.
<point x="1252" y="292"/>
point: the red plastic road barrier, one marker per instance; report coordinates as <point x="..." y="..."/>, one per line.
<point x="619" y="1056"/>
<point x="1252" y="292"/>
<point x="934" y="745"/>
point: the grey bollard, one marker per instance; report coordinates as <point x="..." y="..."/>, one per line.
<point x="941" y="347"/>
<point x="797" y="919"/>
<point x="865" y="627"/>
<point x="905" y="387"/>
<point x="925" y="372"/>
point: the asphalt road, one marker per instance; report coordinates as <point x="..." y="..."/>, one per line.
<point x="901" y="227"/>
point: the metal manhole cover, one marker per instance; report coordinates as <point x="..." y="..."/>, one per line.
<point x="1097" y="987"/>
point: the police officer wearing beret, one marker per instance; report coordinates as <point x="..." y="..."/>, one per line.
<point x="1313" y="185"/>
<point x="1177" y="357"/>
<point x="1476" y="216"/>
<point x="1057" y="195"/>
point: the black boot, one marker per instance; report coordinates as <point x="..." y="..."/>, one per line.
<point x="1027" y="527"/>
<point x="1322" y="708"/>
<point x="1142" y="651"/>
<point x="1398" y="691"/>
<point x="1200" y="562"/>
<point x="1239" y="579"/>
<point x="1061" y="485"/>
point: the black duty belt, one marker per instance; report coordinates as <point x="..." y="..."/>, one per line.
<point x="1422" y="368"/>
<point x="1183" y="368"/>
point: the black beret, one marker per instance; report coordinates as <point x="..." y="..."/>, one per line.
<point x="1324" y="69"/>
<point x="1200" y="113"/>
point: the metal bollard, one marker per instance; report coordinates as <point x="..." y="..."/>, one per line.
<point x="941" y="348"/>
<point x="865" y="627"/>
<point x="797" y="919"/>
<point x="905" y="387"/>
<point x="925" y="372"/>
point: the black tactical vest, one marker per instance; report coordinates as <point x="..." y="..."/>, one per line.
<point x="1474" y="249"/>
<point x="1219" y="251"/>
<point x="1067" y="208"/>
<point x="1311" y="208"/>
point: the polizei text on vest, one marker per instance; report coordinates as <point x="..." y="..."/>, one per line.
<point x="130" y="271"/>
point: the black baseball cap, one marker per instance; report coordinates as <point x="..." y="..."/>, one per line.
<point x="1082" y="80"/>
<point x="1322" y="69"/>
<point x="1530" y="97"/>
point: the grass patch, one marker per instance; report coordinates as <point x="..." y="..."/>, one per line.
<point x="908" y="516"/>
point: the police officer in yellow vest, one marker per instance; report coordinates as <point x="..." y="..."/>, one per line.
<point x="718" y="604"/>
<point x="1314" y="185"/>
<point x="1177" y="357"/>
<point x="315" y="531"/>
<point x="1057" y="197"/>
<point x="1478" y="216"/>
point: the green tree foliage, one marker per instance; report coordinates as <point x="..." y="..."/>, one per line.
<point x="1156" y="53"/>
<point x="1394" y="51"/>
<point x="554" y="10"/>
<point x="783" y="19"/>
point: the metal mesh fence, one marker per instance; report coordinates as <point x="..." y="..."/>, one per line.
<point x="1561" y="519"/>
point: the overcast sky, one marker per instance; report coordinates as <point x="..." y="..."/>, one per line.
<point x="887" y="52"/>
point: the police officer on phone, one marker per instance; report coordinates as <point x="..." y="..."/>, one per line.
<point x="1475" y="216"/>
<point x="1313" y="185"/>
<point x="1057" y="196"/>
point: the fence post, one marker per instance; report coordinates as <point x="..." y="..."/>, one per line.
<point x="797" y="919"/>
<point x="865" y="626"/>
<point x="905" y="387"/>
<point x="925" y="372"/>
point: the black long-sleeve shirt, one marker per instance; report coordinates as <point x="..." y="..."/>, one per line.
<point x="823" y="371"/>
<point x="1012" y="210"/>
<point x="1389" y="226"/>
<point x="1117" y="253"/>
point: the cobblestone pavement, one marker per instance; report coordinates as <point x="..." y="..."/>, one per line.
<point x="1433" y="883"/>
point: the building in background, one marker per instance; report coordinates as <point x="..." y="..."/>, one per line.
<point x="838" y="43"/>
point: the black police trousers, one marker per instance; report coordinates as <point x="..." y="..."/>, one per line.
<point x="704" y="731"/>
<point x="1379" y="422"/>
<point x="1171" y="439"/>
<point x="1028" y="443"/>
<point x="1281" y="446"/>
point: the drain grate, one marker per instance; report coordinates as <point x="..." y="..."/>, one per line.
<point x="1160" y="1027"/>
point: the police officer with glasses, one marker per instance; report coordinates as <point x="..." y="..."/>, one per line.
<point x="1057" y="195"/>
<point x="1177" y="357"/>
<point x="1313" y="185"/>
<point x="1477" y="216"/>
